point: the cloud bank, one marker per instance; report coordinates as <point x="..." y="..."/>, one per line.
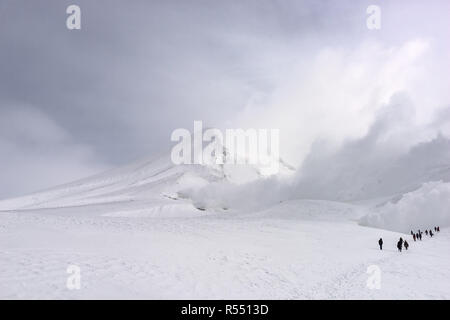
<point x="136" y="71"/>
<point x="424" y="209"/>
<point x="39" y="150"/>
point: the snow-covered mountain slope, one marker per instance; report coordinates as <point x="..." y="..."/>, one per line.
<point x="152" y="184"/>
<point x="294" y="250"/>
<point x="195" y="247"/>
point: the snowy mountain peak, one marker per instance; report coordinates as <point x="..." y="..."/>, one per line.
<point x="147" y="183"/>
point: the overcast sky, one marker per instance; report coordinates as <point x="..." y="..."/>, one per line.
<point x="76" y="102"/>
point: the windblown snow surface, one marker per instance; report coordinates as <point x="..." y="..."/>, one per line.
<point x="152" y="230"/>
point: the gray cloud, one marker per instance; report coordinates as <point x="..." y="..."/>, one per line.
<point x="136" y="70"/>
<point x="36" y="152"/>
<point x="387" y="160"/>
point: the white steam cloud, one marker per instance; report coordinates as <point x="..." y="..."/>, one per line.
<point x="424" y="208"/>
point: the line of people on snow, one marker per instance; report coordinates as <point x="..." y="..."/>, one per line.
<point x="416" y="237"/>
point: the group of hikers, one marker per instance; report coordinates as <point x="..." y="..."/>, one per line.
<point x="416" y="237"/>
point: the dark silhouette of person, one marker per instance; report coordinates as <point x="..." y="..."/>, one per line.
<point x="414" y="237"/>
<point x="438" y="229"/>
<point x="401" y="240"/>
<point x="399" y="245"/>
<point x="431" y="233"/>
<point x="380" y="243"/>
<point x="420" y="236"/>
<point x="406" y="245"/>
<point x="426" y="232"/>
<point x="435" y="229"/>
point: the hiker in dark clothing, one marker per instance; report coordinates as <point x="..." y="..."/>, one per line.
<point x="431" y="233"/>
<point x="435" y="229"/>
<point x="426" y="232"/>
<point x="420" y="236"/>
<point x="406" y="245"/>
<point x="401" y="240"/>
<point x="414" y="237"/>
<point x="399" y="245"/>
<point x="380" y="243"/>
<point x="438" y="229"/>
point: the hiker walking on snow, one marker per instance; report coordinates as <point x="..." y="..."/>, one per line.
<point x="426" y="232"/>
<point x="420" y="236"/>
<point x="406" y="245"/>
<point x="431" y="233"/>
<point x="399" y="245"/>
<point x="414" y="237"/>
<point x="380" y="243"/>
<point x="438" y="229"/>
